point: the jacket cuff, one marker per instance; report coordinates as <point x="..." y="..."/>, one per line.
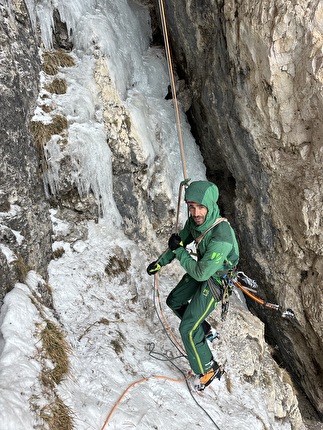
<point x="179" y="251"/>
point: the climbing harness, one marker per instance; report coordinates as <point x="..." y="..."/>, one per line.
<point x="222" y="292"/>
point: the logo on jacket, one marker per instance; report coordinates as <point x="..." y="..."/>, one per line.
<point x="206" y="292"/>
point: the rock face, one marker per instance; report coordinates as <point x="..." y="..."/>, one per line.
<point x="23" y="207"/>
<point x="244" y="338"/>
<point x="255" y="74"/>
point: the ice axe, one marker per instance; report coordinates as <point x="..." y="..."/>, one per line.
<point x="285" y="313"/>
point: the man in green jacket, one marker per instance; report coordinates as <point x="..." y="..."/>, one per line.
<point x="200" y="289"/>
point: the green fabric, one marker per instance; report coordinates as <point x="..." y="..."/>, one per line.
<point x="191" y="299"/>
<point x="218" y="251"/>
<point x="201" y="304"/>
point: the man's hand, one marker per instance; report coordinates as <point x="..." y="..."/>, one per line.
<point x="175" y="242"/>
<point x="153" y="268"/>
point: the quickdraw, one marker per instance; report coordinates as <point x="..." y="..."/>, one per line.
<point x="221" y="293"/>
<point x="225" y="300"/>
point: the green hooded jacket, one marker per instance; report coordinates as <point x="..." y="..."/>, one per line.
<point x="218" y="251"/>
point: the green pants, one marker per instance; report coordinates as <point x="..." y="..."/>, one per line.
<point x="192" y="302"/>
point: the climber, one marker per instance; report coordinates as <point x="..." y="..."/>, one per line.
<point x="200" y="289"/>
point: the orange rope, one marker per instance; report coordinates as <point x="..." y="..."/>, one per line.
<point x="171" y="74"/>
<point x="138" y="382"/>
<point x="164" y="318"/>
<point x="155" y="376"/>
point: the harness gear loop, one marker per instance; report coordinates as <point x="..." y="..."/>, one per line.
<point x="222" y="292"/>
<point x="227" y="291"/>
<point x="172" y="80"/>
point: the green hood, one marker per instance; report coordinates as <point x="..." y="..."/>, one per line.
<point x="206" y="194"/>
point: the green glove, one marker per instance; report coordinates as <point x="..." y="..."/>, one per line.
<point x="153" y="268"/>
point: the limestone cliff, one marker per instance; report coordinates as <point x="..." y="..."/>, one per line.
<point x="23" y="207"/>
<point x="255" y="74"/>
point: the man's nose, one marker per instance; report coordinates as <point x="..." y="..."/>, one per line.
<point x="197" y="211"/>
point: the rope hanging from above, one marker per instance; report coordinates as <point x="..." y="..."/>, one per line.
<point x="178" y="121"/>
<point x="173" y="88"/>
